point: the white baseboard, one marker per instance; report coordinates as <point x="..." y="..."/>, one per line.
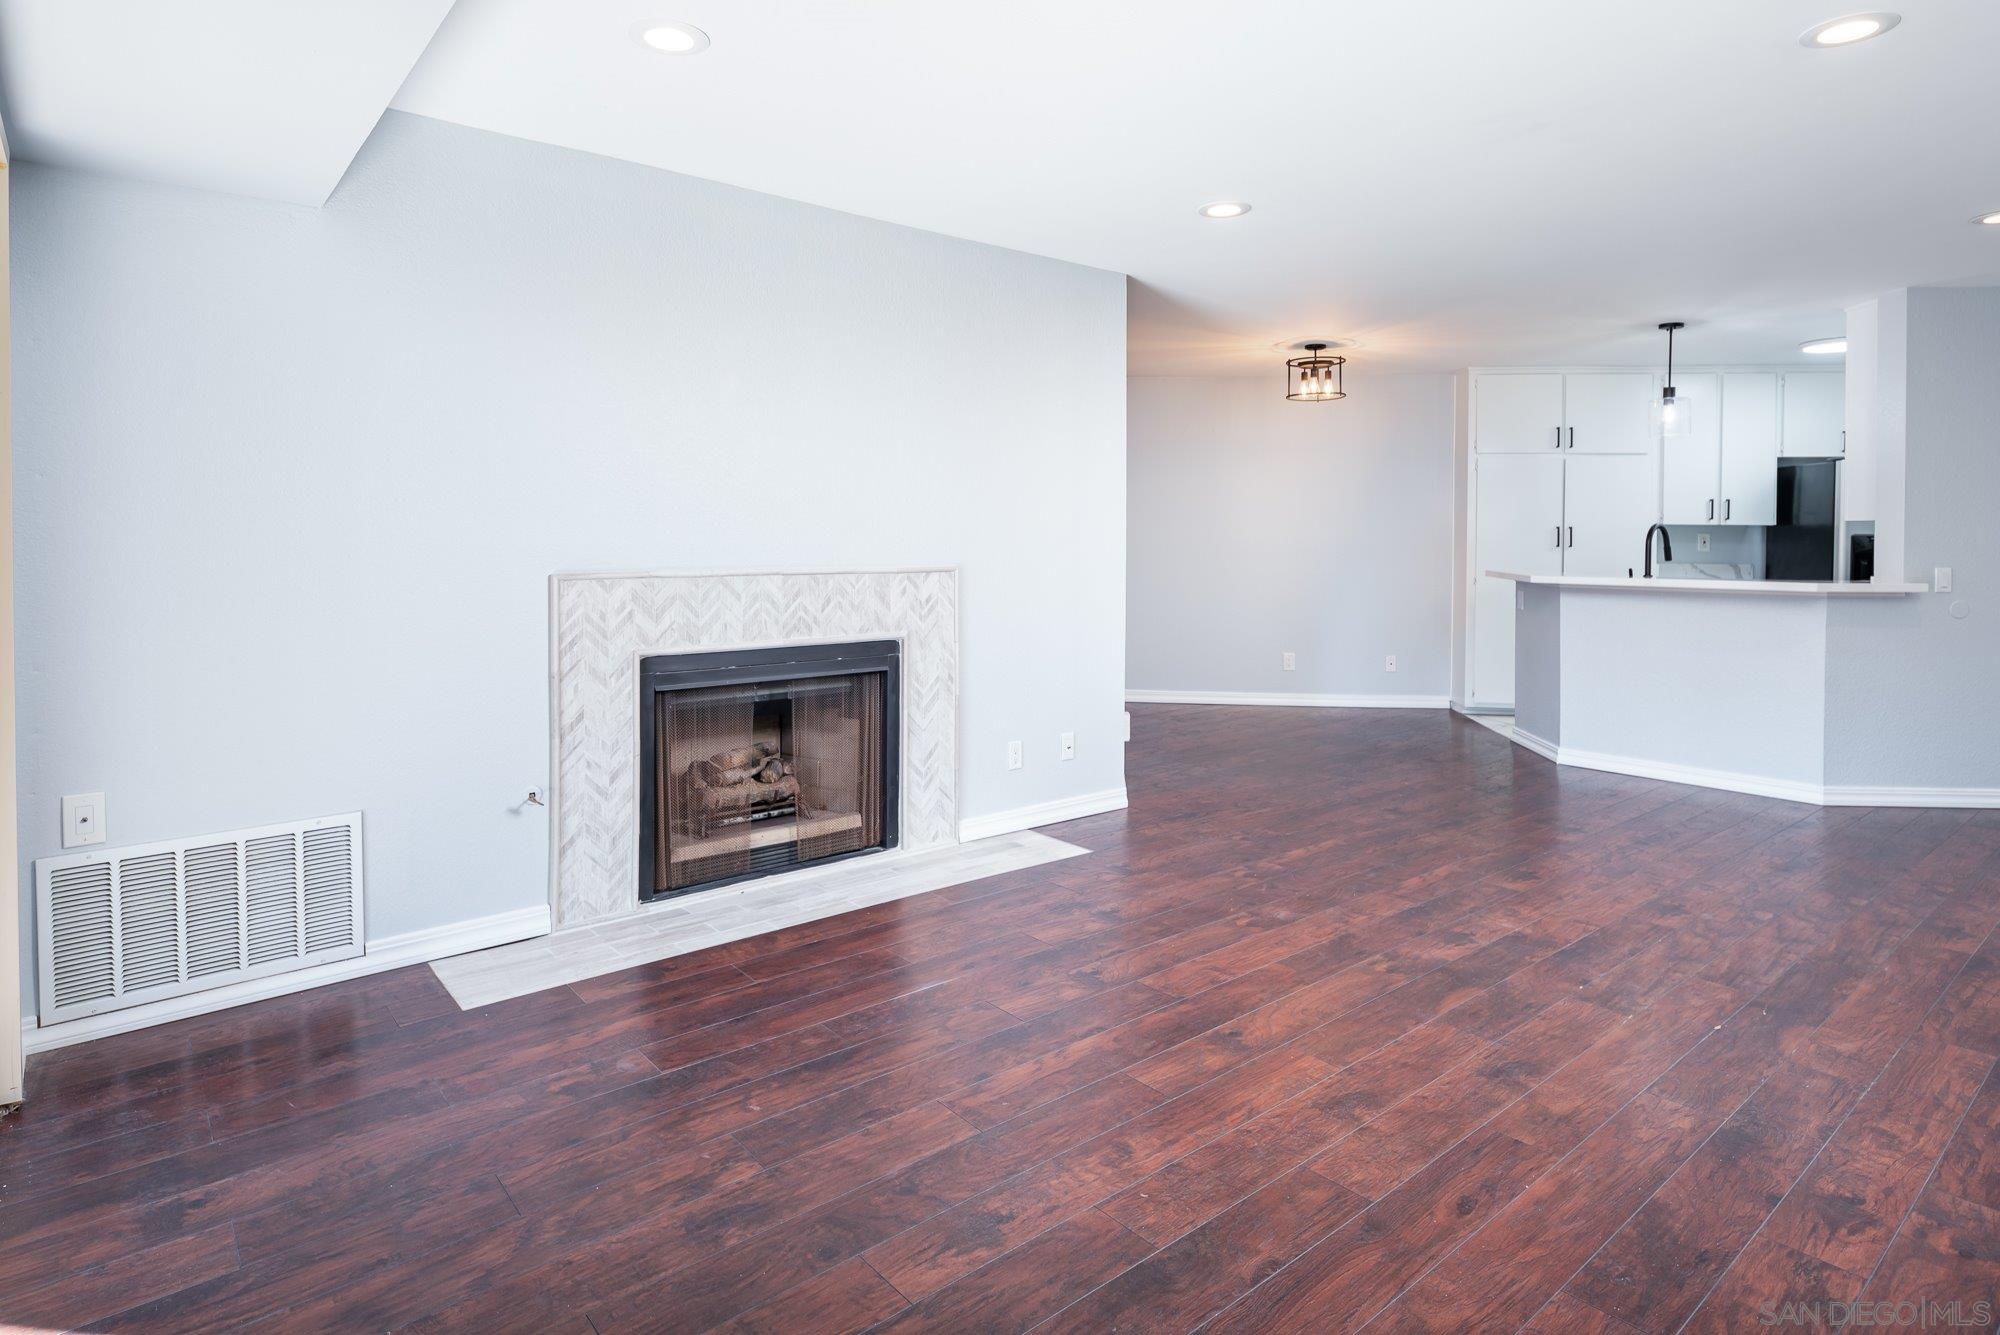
<point x="1042" y="813"/>
<point x="389" y="952"/>
<point x="1758" y="785"/>
<point x="1282" y="700"/>
<point x="1847" y="795"/>
<point x="1546" y="750"/>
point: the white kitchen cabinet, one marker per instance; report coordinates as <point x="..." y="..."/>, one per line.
<point x="1725" y="470"/>
<point x="1519" y="518"/>
<point x="1748" y="488"/>
<point x="1691" y="465"/>
<point x="1518" y="412"/>
<point x="1608" y="412"/>
<point x="1815" y="414"/>
<point x="1609" y="501"/>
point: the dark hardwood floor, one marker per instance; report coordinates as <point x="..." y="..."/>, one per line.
<point x="1354" y="1018"/>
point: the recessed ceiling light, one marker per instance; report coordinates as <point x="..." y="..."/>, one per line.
<point x="1989" y="219"/>
<point x="675" y="39"/>
<point x="1848" y="30"/>
<point x="1225" y="208"/>
<point x="1824" y="347"/>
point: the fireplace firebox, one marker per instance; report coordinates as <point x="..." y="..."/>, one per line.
<point x="755" y="761"/>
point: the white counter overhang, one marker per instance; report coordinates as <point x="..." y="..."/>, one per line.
<point x="1740" y="587"/>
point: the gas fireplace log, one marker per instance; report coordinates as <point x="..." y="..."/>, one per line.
<point x="738" y="766"/>
<point x="745" y="796"/>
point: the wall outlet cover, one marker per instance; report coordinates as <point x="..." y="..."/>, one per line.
<point x="82" y="819"/>
<point x="1069" y="746"/>
<point x="1389" y="663"/>
<point x="1291" y="661"/>
<point x="1013" y="755"/>
<point x="1701" y="542"/>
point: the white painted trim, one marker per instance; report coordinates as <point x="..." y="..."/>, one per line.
<point x="1280" y="699"/>
<point x="390" y="952"/>
<point x="1758" y="785"/>
<point x="1042" y="813"/>
<point x="1846" y="795"/>
<point x="1546" y="750"/>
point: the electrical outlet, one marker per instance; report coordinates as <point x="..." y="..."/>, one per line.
<point x="1013" y="755"/>
<point x="1389" y="663"/>
<point x="1941" y="579"/>
<point x="1291" y="661"/>
<point x="1069" y="746"/>
<point x="82" y="819"/>
<point x="1701" y="542"/>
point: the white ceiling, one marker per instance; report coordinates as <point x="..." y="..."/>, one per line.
<point x="1450" y="183"/>
<point x="253" y="97"/>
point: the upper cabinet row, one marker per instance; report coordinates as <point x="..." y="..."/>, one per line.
<point x="1724" y="471"/>
<point x="1537" y="412"/>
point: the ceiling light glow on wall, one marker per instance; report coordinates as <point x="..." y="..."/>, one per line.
<point x="1824" y="347"/>
<point x="1225" y="208"/>
<point x="674" y="39"/>
<point x="1673" y="415"/>
<point x="1315" y="377"/>
<point x="1848" y="30"/>
<point x="1989" y="219"/>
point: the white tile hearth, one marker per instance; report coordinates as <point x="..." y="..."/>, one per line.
<point x="712" y="917"/>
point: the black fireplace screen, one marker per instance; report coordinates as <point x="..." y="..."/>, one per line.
<point x="762" y="760"/>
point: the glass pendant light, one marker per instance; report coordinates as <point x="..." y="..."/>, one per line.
<point x="1315" y="377"/>
<point x="1672" y="414"/>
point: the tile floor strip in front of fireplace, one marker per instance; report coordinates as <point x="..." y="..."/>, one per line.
<point x="732" y="913"/>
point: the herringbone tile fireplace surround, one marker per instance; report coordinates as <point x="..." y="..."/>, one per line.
<point x="603" y="624"/>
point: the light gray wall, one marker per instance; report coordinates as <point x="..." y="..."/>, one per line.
<point x="291" y="481"/>
<point x="1911" y="699"/>
<point x="1538" y="661"/>
<point x="1720" y="681"/>
<point x="1259" y="526"/>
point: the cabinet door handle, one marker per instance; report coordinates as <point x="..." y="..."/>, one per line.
<point x="1711" y="507"/>
<point x="1725" y="508"/>
<point x="1572" y="437"/>
<point x="1559" y="437"/>
<point x="1559" y="537"/>
<point x="1572" y="535"/>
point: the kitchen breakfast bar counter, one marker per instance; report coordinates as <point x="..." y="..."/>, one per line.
<point x="1722" y="683"/>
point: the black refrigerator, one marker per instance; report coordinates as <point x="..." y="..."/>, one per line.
<point x="1801" y="544"/>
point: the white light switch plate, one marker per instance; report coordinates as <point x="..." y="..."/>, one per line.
<point x="1069" y="746"/>
<point x="1941" y="579"/>
<point x="82" y="819"/>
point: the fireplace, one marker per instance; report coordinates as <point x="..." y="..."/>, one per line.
<point x="755" y="761"/>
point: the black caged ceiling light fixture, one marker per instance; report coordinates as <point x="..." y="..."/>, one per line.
<point x="1315" y="377"/>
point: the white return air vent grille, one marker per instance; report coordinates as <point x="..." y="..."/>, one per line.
<point x="121" y="927"/>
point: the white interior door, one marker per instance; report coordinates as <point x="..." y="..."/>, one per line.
<point x="1609" y="501"/>
<point x="1519" y="518"/>
<point x="1749" y="448"/>
<point x="1815" y="414"/>
<point x="1517" y="413"/>
<point x="1609" y="412"/>
<point x="1691" y="465"/>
